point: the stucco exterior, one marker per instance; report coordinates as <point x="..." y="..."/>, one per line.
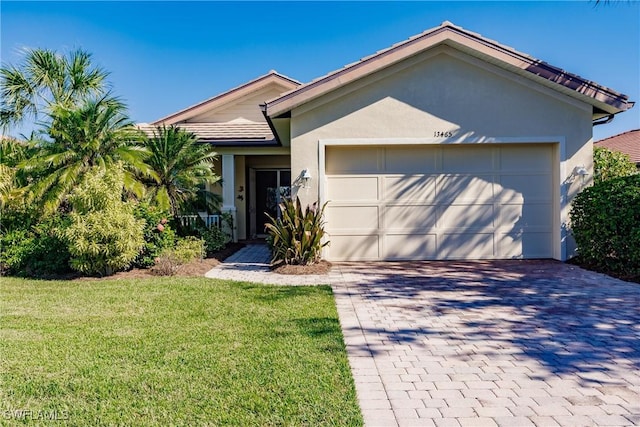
<point x="444" y="90"/>
<point x="393" y="134"/>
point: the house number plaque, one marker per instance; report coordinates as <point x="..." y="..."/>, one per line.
<point x="442" y="134"/>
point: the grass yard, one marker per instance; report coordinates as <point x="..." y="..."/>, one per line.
<point x="175" y="351"/>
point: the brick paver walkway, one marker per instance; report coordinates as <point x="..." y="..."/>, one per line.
<point x="251" y="264"/>
<point x="507" y="343"/>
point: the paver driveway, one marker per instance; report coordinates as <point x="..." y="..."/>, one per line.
<point x="491" y="343"/>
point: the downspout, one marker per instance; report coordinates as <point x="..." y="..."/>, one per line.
<point x="603" y="121"/>
<point x="263" y="108"/>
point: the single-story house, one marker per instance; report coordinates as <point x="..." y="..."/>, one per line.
<point x="625" y="142"/>
<point x="447" y="145"/>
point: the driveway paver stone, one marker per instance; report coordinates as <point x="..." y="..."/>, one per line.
<point x="507" y="343"/>
<point x="496" y="343"/>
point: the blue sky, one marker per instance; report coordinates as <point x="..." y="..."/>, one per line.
<point x="165" y="56"/>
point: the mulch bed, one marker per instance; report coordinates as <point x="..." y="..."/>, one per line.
<point x="323" y="267"/>
<point x="198" y="268"/>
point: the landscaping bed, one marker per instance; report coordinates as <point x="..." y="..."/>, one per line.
<point x="322" y="267"/>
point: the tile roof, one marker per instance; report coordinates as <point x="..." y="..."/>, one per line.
<point x="626" y="142"/>
<point x="447" y="33"/>
<point x="223" y="132"/>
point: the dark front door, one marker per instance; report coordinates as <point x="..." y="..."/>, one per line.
<point x="271" y="187"/>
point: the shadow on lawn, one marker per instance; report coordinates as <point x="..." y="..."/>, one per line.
<point x="273" y="293"/>
<point x="569" y="320"/>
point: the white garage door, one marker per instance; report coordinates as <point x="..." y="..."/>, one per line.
<point x="439" y="202"/>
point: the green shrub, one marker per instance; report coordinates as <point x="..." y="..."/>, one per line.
<point x="158" y="234"/>
<point x="296" y="237"/>
<point x="609" y="164"/>
<point x="606" y="226"/>
<point x="214" y="239"/>
<point x="34" y="250"/>
<point x="16" y="246"/>
<point x="188" y="249"/>
<point x="103" y="235"/>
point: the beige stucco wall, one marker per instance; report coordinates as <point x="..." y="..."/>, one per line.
<point x="244" y="108"/>
<point x="444" y="90"/>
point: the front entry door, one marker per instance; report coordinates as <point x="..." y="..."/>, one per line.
<point x="271" y="187"/>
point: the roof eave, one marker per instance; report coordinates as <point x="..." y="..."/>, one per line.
<point x="219" y="142"/>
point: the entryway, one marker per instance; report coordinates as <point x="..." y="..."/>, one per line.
<point x="268" y="188"/>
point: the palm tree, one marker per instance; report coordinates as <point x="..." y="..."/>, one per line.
<point x="78" y="138"/>
<point x="12" y="178"/>
<point x="45" y="80"/>
<point x="79" y="123"/>
<point x="183" y="167"/>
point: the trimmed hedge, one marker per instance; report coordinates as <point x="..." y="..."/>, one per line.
<point x="606" y="225"/>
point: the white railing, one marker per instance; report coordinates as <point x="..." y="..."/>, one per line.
<point x="209" y="220"/>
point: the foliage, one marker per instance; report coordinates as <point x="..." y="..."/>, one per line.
<point x="188" y="249"/>
<point x="183" y="167"/>
<point x="103" y="235"/>
<point x="165" y="265"/>
<point x="214" y="239"/>
<point x="76" y="141"/>
<point x="296" y="237"/>
<point x="146" y="352"/>
<point x="34" y="250"/>
<point x="605" y="221"/>
<point x="609" y="164"/>
<point x="229" y="223"/>
<point x="158" y="234"/>
<point x="12" y="178"/>
<point x="79" y="124"/>
<point x="45" y="80"/>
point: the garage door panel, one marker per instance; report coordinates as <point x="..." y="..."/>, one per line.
<point x="526" y="215"/>
<point x="352" y="188"/>
<point x="467" y="159"/>
<point x="465" y="189"/>
<point x="466" y="216"/>
<point x="466" y="245"/>
<point x="535" y="187"/>
<point x="410" y="217"/>
<point x="410" y="246"/>
<point x="410" y="187"/>
<point x="441" y="202"/>
<point x="416" y="159"/>
<point x="353" y="247"/>
<point x="525" y="245"/>
<point x="345" y="160"/>
<point x="526" y="158"/>
<point x="352" y="217"/>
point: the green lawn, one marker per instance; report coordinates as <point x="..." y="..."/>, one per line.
<point x="172" y="352"/>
